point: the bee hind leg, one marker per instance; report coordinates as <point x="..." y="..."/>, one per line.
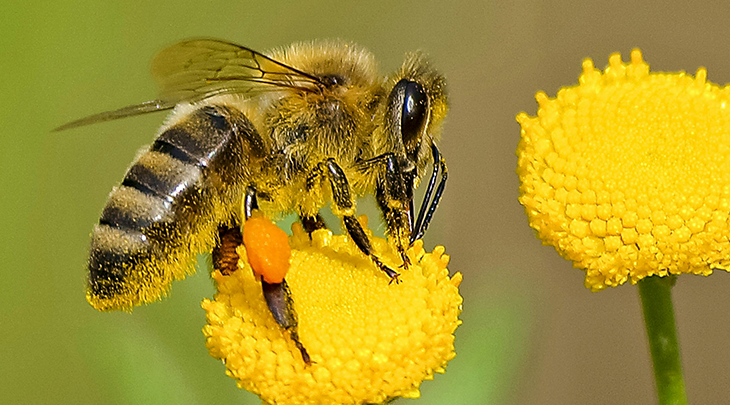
<point x="278" y="298"/>
<point x="224" y="255"/>
<point x="250" y="202"/>
<point x="277" y="295"/>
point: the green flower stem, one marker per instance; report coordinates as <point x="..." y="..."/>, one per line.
<point x="656" y="300"/>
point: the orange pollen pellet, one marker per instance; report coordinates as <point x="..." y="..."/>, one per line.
<point x="267" y="247"/>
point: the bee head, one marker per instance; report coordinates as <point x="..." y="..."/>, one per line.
<point x="416" y="108"/>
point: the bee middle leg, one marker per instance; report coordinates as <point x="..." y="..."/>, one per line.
<point x="344" y="205"/>
<point x="312" y="223"/>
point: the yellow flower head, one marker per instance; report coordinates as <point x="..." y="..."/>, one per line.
<point x="369" y="340"/>
<point x="628" y="173"/>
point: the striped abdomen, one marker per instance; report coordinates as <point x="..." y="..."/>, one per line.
<point x="169" y="206"/>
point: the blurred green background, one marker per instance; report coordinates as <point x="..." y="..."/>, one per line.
<point x="532" y="334"/>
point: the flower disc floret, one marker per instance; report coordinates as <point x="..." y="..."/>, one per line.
<point x="369" y="340"/>
<point x="628" y="173"/>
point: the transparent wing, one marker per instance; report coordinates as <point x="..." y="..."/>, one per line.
<point x="200" y="68"/>
<point x="132" y="110"/>
<point x="196" y="69"/>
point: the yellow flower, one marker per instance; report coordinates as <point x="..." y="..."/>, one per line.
<point x="369" y="340"/>
<point x="628" y="173"/>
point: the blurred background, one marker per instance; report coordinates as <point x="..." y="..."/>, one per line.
<point x="532" y="334"/>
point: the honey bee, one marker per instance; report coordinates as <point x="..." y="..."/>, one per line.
<point x="288" y="132"/>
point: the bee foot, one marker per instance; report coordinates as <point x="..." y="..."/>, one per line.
<point x="387" y="270"/>
<point x="300" y="346"/>
<point x="406" y="261"/>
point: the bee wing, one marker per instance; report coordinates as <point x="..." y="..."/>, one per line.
<point x="196" y="69"/>
<point x="132" y="110"/>
<point x="199" y="68"/>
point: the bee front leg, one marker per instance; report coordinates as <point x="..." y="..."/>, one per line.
<point x="345" y="207"/>
<point x="394" y="193"/>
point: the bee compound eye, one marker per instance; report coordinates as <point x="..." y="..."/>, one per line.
<point x="414" y="114"/>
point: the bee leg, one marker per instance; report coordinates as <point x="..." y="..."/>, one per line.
<point x="394" y="193"/>
<point x="278" y="298"/>
<point x="277" y="295"/>
<point x="250" y="202"/>
<point x="224" y="255"/>
<point x="425" y="213"/>
<point x="344" y="206"/>
<point x="354" y="229"/>
<point x="312" y="223"/>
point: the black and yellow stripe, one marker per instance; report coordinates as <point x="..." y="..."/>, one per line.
<point x="169" y="206"/>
